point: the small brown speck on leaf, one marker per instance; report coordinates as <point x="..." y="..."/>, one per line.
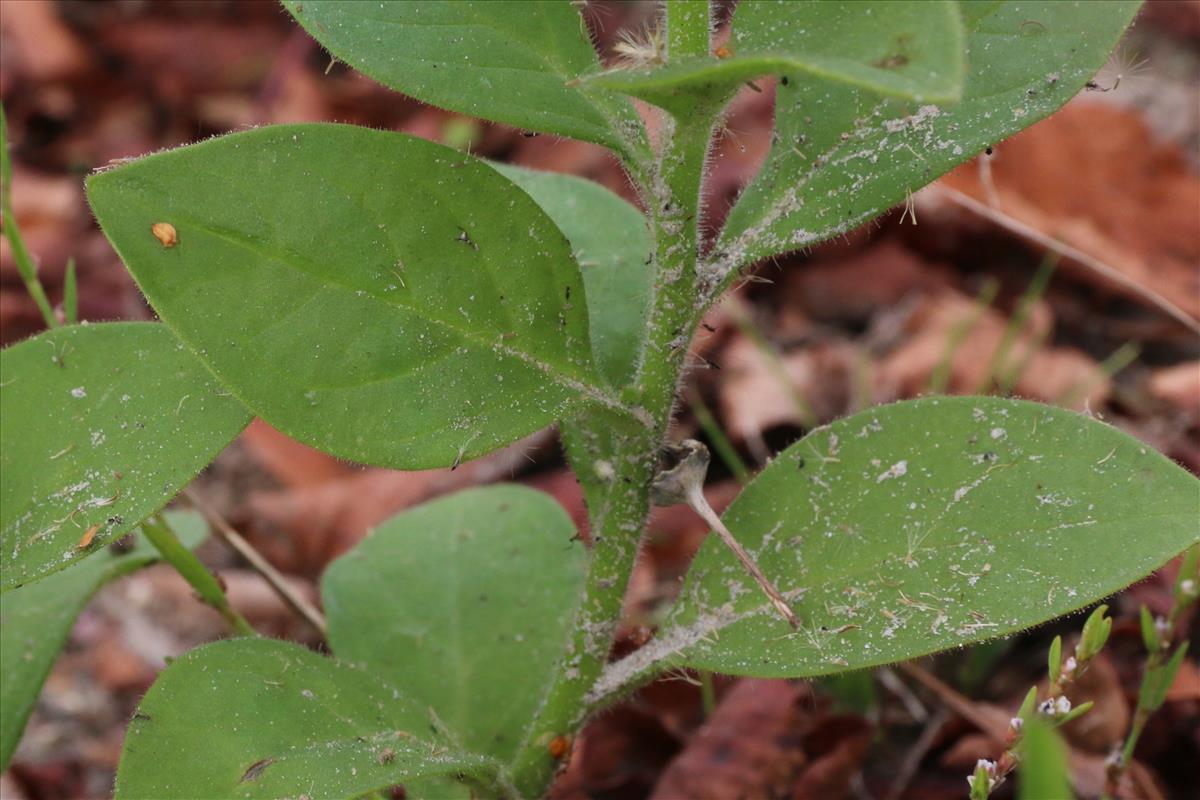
<point x="253" y="772"/>
<point x="558" y="747"/>
<point x="165" y="233"/>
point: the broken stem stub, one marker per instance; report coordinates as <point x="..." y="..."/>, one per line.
<point x="683" y="482"/>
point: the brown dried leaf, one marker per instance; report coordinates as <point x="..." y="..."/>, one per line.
<point x="749" y="747"/>
<point x="755" y="397"/>
<point x="1093" y="176"/>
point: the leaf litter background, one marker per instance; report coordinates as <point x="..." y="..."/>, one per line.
<point x="890" y="311"/>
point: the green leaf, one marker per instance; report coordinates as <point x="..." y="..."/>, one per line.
<point x="1054" y="659"/>
<point x="910" y="50"/>
<point x="100" y="426"/>
<point x="980" y="783"/>
<point x="1025" y="712"/>
<point x="465" y="602"/>
<point x="508" y="62"/>
<point x="925" y="525"/>
<point x="1149" y="632"/>
<point x="1157" y="681"/>
<point x="380" y="297"/>
<point x="612" y="246"/>
<point x="841" y="156"/>
<point x="1042" y="774"/>
<point x="1074" y="714"/>
<point x="35" y="621"/>
<point x="259" y="718"/>
<point x="1094" y="635"/>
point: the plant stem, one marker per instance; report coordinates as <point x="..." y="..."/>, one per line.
<point x="272" y="576"/>
<point x="614" y="460"/>
<point x="24" y="261"/>
<point x="618" y="504"/>
<point x="1160" y="669"/>
<point x="70" y="303"/>
<point x="159" y="532"/>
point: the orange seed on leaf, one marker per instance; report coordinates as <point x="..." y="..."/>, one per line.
<point x="165" y="233"/>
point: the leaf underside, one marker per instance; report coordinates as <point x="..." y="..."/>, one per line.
<point x="350" y="287"/>
<point x="612" y="246"/>
<point x="35" y="621"/>
<point x="440" y="600"/>
<point x="251" y="718"/>
<point x="909" y="50"/>
<point x="925" y="525"/>
<point x="101" y="426"/>
<point x="507" y="62"/>
<point x="841" y="155"/>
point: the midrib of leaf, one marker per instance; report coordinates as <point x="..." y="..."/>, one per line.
<point x="555" y="372"/>
<point x="755" y="235"/>
<point x="781" y="207"/>
<point x="751" y="66"/>
<point x="660" y="653"/>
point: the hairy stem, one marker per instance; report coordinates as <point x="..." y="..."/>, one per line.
<point x="621" y="464"/>
<point x="615" y="460"/>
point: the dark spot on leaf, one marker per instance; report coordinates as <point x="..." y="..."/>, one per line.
<point x="255" y="770"/>
<point x="466" y="239"/>
<point x="784" y="80"/>
<point x="898" y="57"/>
<point x="893" y="61"/>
